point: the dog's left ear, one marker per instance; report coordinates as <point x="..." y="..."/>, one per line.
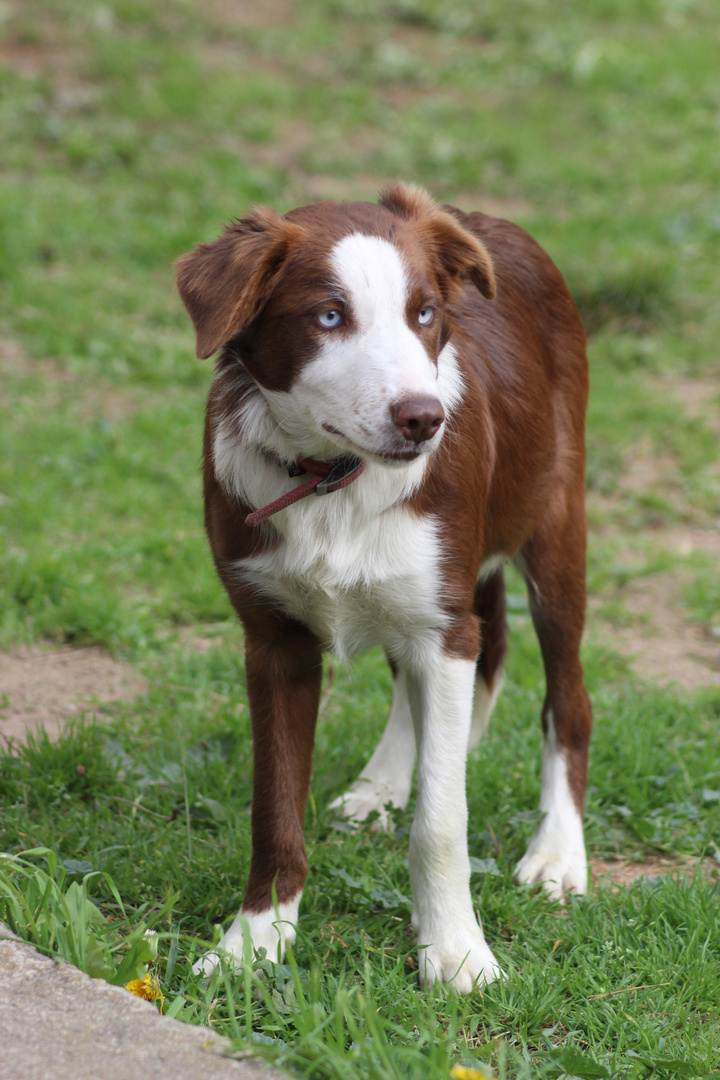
<point x="225" y="284"/>
<point x="459" y="252"/>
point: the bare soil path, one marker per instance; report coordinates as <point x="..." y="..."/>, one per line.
<point x="45" y="686"/>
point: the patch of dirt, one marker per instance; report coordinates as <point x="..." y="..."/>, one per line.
<point x="111" y="403"/>
<point x="293" y="143"/>
<point x="13" y="360"/>
<point x="661" y="644"/>
<point x="510" y="206"/>
<point x="200" y="639"/>
<point x="246" y="15"/>
<point x="686" y="539"/>
<point x="700" y="398"/>
<point x="621" y="873"/>
<point x="648" y="469"/>
<point x="41" y="686"/>
<point x="36" y="58"/>
<point x="362" y="187"/>
<point x="60" y="384"/>
<point x="34" y="44"/>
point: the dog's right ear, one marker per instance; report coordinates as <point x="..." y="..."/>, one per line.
<point x="460" y="253"/>
<point x="225" y="284"/>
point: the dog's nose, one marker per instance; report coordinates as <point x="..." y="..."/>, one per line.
<point x="418" y="418"/>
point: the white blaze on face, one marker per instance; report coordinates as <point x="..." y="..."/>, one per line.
<point x="355" y="378"/>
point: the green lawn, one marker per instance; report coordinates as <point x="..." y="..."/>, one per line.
<point x="129" y="131"/>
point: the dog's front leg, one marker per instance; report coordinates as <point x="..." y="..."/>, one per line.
<point x="283" y="671"/>
<point x="452" y="946"/>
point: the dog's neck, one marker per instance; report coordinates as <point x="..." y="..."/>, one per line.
<point x="251" y="454"/>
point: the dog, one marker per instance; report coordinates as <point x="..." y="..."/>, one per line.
<point x="424" y="370"/>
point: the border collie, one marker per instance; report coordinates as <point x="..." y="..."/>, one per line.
<point x="424" y="371"/>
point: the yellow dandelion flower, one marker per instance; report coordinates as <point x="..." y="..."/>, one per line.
<point x="147" y="988"/>
<point x="462" y="1072"/>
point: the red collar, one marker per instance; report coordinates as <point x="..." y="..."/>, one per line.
<point x="331" y="476"/>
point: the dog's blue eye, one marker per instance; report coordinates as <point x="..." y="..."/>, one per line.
<point x="425" y="316"/>
<point x="329" y="319"/>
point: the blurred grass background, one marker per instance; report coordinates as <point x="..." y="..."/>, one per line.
<point x="130" y="131"/>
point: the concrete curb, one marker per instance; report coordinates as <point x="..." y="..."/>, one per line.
<point x="57" y="1023"/>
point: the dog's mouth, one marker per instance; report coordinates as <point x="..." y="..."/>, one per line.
<point x="401" y="455"/>
<point x="334" y="431"/>
<point x="386" y="455"/>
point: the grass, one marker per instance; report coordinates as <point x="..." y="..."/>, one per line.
<point x="156" y="809"/>
<point x="132" y="131"/>
<point x="63" y="920"/>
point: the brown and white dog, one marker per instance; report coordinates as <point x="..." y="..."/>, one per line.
<point x="444" y="351"/>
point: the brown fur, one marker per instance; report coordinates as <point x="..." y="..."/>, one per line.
<point x="225" y="284"/>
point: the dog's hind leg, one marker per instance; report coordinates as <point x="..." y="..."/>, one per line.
<point x="553" y="563"/>
<point x="490" y="609"/>
<point x="387" y="777"/>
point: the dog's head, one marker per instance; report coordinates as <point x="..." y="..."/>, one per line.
<point x="339" y="312"/>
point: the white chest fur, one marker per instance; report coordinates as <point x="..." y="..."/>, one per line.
<point x="354" y="576"/>
<point x="356" y="566"/>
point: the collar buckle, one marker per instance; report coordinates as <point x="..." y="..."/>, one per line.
<point x="341" y="474"/>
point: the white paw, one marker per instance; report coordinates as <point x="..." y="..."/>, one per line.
<point x="556" y="857"/>
<point x="462" y="959"/>
<point x="555" y="861"/>
<point x="210" y="960"/>
<point x="359" y="801"/>
<point x="271" y="930"/>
